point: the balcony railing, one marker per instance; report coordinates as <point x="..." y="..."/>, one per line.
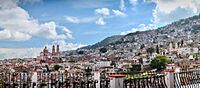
<point x="146" y="82"/>
<point x="188" y="79"/>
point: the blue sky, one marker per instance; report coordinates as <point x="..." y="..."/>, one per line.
<point x="29" y="25"/>
<point x="90" y="32"/>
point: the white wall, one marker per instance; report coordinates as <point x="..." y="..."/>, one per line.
<point x="97" y="77"/>
<point x="116" y="83"/>
<point x="102" y="64"/>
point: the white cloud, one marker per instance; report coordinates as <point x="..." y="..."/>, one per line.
<point x="77" y="20"/>
<point x="67" y="32"/>
<point x="119" y="13"/>
<point x="18" y="25"/>
<point x="28" y="1"/>
<point x="72" y="19"/>
<point x="141" y="27"/>
<point x="67" y="46"/>
<point x="167" y="11"/>
<point x="15" y="35"/>
<point x="122" y="5"/>
<point x="133" y="2"/>
<point x="102" y="11"/>
<point x="72" y="46"/>
<point x="105" y="14"/>
<point x="8" y="53"/>
<point x="149" y="1"/>
<point x="6" y="4"/>
<point x="100" y="21"/>
<point x="48" y="30"/>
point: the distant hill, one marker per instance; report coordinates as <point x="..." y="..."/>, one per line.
<point x="184" y="29"/>
<point x="104" y="42"/>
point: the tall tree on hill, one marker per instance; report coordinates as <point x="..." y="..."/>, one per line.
<point x="135" y="68"/>
<point x="88" y="72"/>
<point x="57" y="67"/>
<point x="160" y="62"/>
<point x="103" y="50"/>
<point x="178" y="44"/>
<point x="142" y="46"/>
<point x="157" y="49"/>
<point x="113" y="63"/>
<point x="182" y="42"/>
<point x="150" y="50"/>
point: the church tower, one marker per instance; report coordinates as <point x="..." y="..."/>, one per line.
<point x="57" y="50"/>
<point x="53" y="50"/>
<point x="45" y="51"/>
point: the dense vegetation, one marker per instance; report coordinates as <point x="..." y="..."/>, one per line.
<point x="160" y="62"/>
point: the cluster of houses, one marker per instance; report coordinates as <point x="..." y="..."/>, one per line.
<point x="57" y="65"/>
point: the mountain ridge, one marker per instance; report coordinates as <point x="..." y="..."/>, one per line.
<point x="179" y="29"/>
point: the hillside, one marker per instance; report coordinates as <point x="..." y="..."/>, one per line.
<point x="185" y="29"/>
<point x="104" y="42"/>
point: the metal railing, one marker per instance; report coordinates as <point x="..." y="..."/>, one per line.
<point x="23" y="80"/>
<point x="146" y="82"/>
<point x="189" y="79"/>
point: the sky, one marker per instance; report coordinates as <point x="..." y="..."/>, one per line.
<point x="26" y="26"/>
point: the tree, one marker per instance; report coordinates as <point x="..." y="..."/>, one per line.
<point x="142" y="46"/>
<point x="59" y="60"/>
<point x="160" y="62"/>
<point x="57" y="67"/>
<point x="88" y="71"/>
<point x="113" y="63"/>
<point x="196" y="56"/>
<point x="47" y="67"/>
<point x="150" y="50"/>
<point x="81" y="52"/>
<point x="135" y="68"/>
<point x="157" y="49"/>
<point x="178" y="44"/>
<point x="103" y="50"/>
<point x="182" y="42"/>
<point x="196" y="27"/>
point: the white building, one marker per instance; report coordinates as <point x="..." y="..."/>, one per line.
<point x="102" y="64"/>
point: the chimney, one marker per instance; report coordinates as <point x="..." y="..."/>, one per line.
<point x="57" y="49"/>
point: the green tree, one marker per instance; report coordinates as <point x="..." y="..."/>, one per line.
<point x="178" y="44"/>
<point x="103" y="50"/>
<point x="88" y="71"/>
<point x="182" y="42"/>
<point x="113" y="63"/>
<point x="57" y="67"/>
<point x="135" y="68"/>
<point x="81" y="52"/>
<point x="196" y="56"/>
<point x="160" y="62"/>
<point x="150" y="50"/>
<point x="157" y="49"/>
<point x="59" y="60"/>
<point x="196" y="27"/>
<point x="142" y="46"/>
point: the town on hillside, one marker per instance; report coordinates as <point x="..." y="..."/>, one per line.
<point x="56" y="44"/>
<point x="103" y="68"/>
